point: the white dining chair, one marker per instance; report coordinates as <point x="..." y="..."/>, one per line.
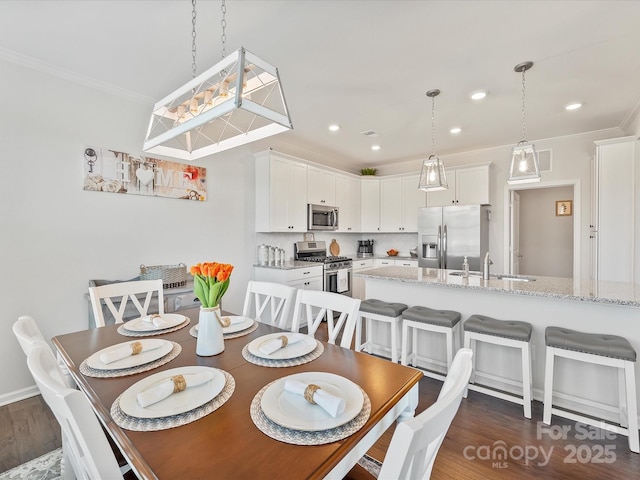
<point x="123" y="292"/>
<point x="92" y="457"/>
<point x="29" y="336"/>
<point x="318" y="305"/>
<point x="277" y="296"/>
<point x="415" y="442"/>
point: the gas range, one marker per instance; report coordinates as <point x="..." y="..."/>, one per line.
<point x="317" y="252"/>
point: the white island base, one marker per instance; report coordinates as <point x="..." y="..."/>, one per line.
<point x="585" y="388"/>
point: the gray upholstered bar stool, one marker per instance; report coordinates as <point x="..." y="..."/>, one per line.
<point x="418" y="318"/>
<point x="507" y="333"/>
<point x="609" y="350"/>
<point x="379" y="311"/>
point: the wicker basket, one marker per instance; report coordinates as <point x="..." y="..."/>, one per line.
<point x="172" y="276"/>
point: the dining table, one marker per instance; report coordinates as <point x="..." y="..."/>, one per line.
<point x="226" y="442"/>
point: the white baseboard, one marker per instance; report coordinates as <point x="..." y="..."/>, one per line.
<point x="18" y="395"/>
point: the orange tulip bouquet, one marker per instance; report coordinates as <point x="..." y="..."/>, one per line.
<point x="210" y="282"/>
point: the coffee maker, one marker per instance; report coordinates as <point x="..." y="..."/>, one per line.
<point x="365" y="248"/>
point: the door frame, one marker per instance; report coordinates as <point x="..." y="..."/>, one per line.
<point x="577" y="213"/>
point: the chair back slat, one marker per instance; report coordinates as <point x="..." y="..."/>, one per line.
<point x="123" y="292"/>
<point x="277" y="296"/>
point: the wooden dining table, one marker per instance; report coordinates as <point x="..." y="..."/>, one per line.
<point x="226" y="443"/>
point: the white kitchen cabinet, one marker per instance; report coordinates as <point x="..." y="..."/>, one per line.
<point x="467" y="186"/>
<point x="321" y="187"/>
<point x="348" y="201"/>
<point x="281" y="194"/>
<point x="614" y="223"/>
<point x="405" y="263"/>
<point x="357" y="285"/>
<point x="370" y="206"/>
<point x="400" y="199"/>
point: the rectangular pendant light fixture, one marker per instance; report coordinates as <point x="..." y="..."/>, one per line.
<point x="525" y="167"/>
<point x="237" y="101"/>
<point x="433" y="176"/>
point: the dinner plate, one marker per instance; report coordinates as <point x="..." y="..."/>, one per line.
<point x="293" y="411"/>
<point x="177" y="403"/>
<point x="162" y="349"/>
<point x="293" y="350"/>
<point x="141" y="325"/>
<point x="243" y="324"/>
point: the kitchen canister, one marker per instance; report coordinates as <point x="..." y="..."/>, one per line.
<point x="278" y="256"/>
<point x="263" y="254"/>
<point x="272" y="254"/>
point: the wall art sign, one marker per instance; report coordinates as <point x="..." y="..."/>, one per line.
<point x="119" y="172"/>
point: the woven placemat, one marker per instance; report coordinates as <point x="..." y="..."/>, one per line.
<point x="123" y="372"/>
<point x="194" y="333"/>
<point x="153" y="424"/>
<point x="122" y="330"/>
<point x="302" y="437"/>
<point x="290" y="362"/>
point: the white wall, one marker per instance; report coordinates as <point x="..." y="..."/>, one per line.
<point x="55" y="236"/>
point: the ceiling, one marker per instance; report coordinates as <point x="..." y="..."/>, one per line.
<point x="362" y="64"/>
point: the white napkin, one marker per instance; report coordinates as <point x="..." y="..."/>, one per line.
<point x="156" y="319"/>
<point x="126" y="350"/>
<point x="165" y="388"/>
<point x="274" y="344"/>
<point x="332" y="404"/>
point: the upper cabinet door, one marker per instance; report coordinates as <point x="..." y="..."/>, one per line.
<point x="412" y="199"/>
<point x="391" y="205"/>
<point x="321" y="187"/>
<point x="467" y="186"/>
<point x="370" y="207"/>
<point x="348" y="201"/>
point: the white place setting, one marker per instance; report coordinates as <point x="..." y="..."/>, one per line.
<point x="155" y="324"/>
<point x="172" y="398"/>
<point x="283" y="349"/>
<point x="129" y="358"/>
<point x="310" y="408"/>
<point x="239" y="326"/>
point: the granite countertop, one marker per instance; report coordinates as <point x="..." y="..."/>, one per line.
<point x="618" y="293"/>
<point x="290" y="265"/>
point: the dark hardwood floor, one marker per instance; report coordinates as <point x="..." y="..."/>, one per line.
<point x="489" y="438"/>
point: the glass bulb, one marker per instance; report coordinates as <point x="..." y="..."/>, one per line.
<point x="432" y="176"/>
<point x="523" y="165"/>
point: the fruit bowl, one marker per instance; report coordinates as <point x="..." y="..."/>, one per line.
<point x="393" y="252"/>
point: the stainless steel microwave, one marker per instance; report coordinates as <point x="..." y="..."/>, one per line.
<point x="321" y="217"/>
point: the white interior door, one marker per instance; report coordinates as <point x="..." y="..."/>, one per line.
<point x="515" y="234"/>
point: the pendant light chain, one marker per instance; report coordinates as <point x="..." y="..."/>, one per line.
<point x="433" y="125"/>
<point x="523" y="109"/>
<point x="224" y="26"/>
<point x="193" y="38"/>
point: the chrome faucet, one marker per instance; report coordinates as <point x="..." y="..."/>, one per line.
<point x="485" y="267"/>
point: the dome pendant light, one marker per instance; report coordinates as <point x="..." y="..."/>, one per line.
<point x="525" y="167"/>
<point x="433" y="177"/>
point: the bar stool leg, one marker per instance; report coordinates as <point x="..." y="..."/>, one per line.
<point x="548" y="386"/>
<point x="623" y="413"/>
<point x="449" y="340"/>
<point x="632" y="405"/>
<point x="358" y="345"/>
<point x="526" y="379"/>
<point x="467" y="344"/>
<point x="394" y="341"/>
<point x="405" y="334"/>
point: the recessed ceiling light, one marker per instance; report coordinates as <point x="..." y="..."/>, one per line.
<point x="334" y="128"/>
<point x="455" y="130"/>
<point x="478" y="94"/>
<point x="375" y="147"/>
<point x="573" y="106"/>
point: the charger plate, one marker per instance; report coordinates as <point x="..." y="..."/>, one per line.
<point x="85" y="369"/>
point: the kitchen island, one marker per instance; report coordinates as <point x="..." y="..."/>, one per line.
<point x="605" y="307"/>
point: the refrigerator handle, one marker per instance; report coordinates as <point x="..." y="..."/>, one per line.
<point x="440" y="258"/>
<point x="444" y="248"/>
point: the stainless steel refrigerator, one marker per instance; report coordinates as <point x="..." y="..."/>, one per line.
<point x="447" y="234"/>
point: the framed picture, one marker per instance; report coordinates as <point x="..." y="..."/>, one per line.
<point x="309" y="237"/>
<point x="564" y="208"/>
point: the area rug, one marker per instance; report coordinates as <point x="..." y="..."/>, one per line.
<point x="370" y="464"/>
<point x="46" y="467"/>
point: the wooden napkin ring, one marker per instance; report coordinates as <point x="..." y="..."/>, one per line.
<point x="136" y="348"/>
<point x="284" y="340"/>
<point x="309" y="392"/>
<point x="179" y="383"/>
<point x="155" y="315"/>
<point x="224" y="321"/>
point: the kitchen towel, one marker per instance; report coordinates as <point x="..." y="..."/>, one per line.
<point x="172" y="385"/>
<point x="128" y="349"/>
<point x="274" y="344"/>
<point x="332" y="404"/>
<point x="343" y="280"/>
